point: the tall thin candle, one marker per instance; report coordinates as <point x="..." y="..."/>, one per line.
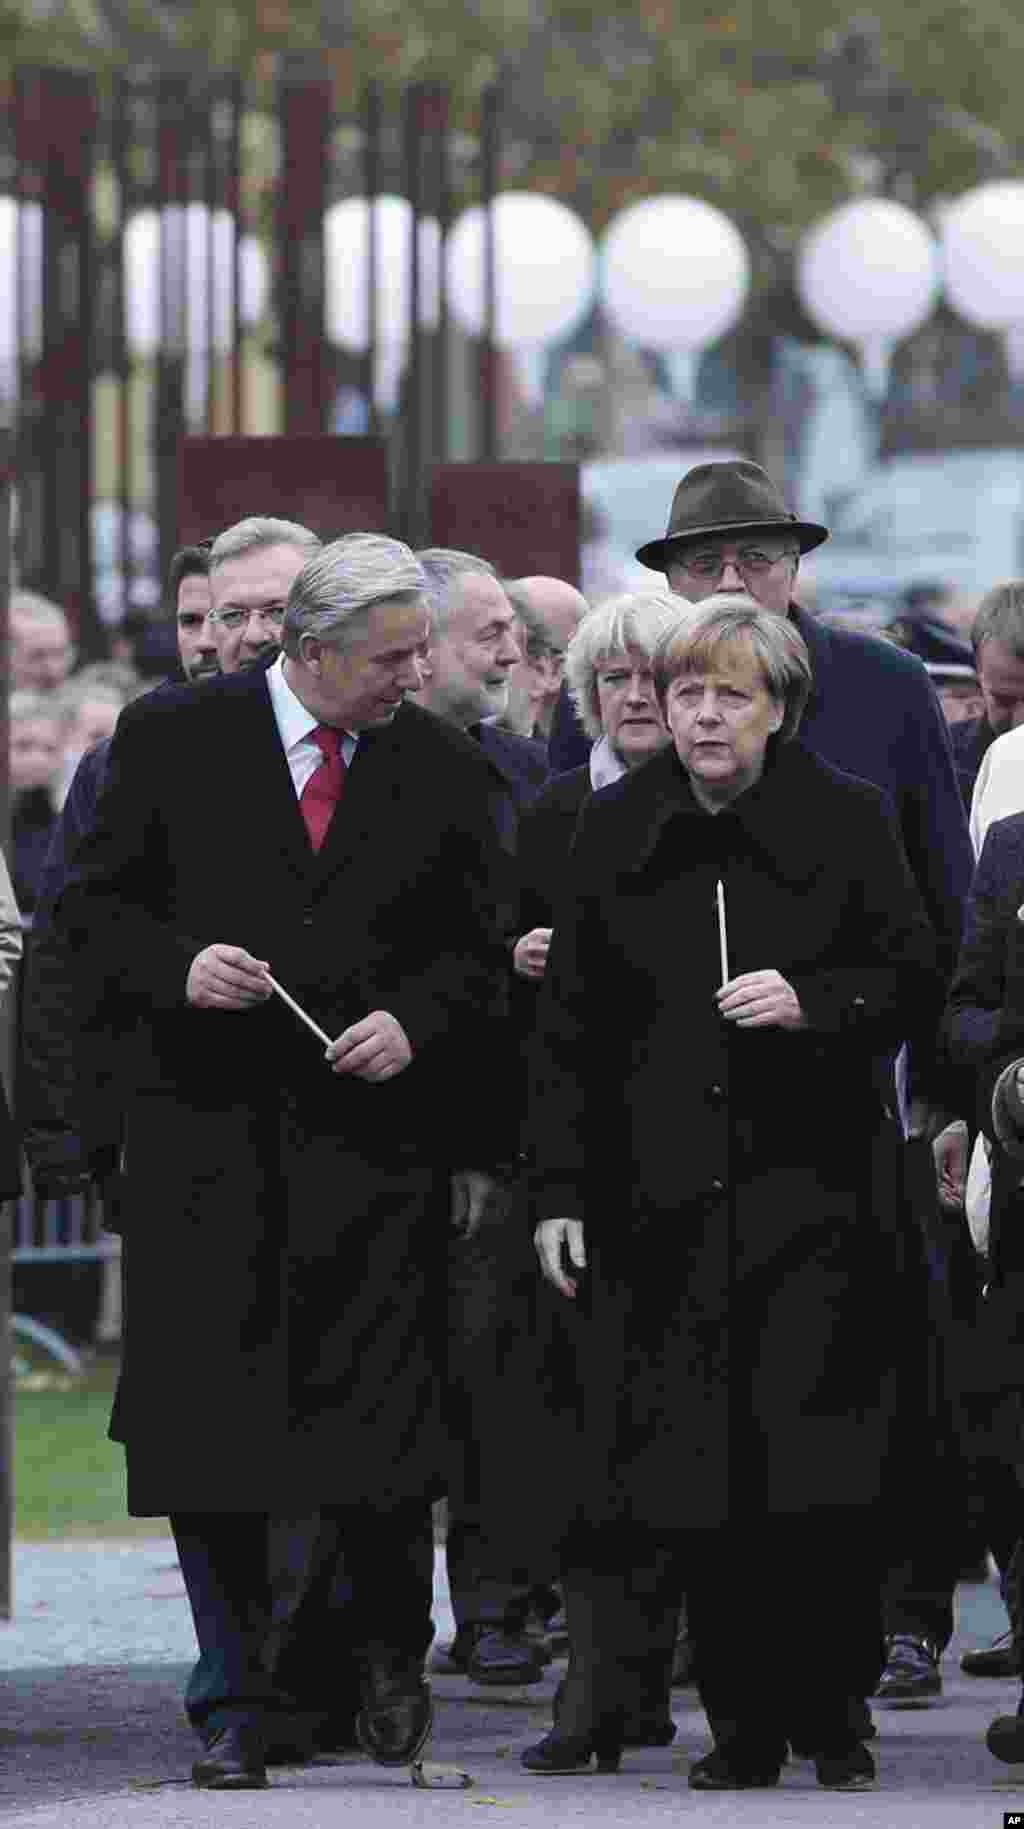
<point x="723" y="939"/>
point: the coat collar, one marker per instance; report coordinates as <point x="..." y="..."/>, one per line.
<point x="764" y="815"/>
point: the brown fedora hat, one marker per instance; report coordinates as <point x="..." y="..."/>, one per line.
<point x="727" y="498"/>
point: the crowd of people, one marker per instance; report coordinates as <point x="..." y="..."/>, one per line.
<point x="541" y="1049"/>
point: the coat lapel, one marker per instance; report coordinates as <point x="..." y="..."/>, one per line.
<point x="372" y="785"/>
<point x="269" y="786"/>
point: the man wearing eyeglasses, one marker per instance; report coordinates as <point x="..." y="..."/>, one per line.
<point x="873" y="713"/>
<point x="252" y="568"/>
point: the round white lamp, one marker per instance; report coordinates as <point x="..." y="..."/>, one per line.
<point x="675" y="275"/>
<point x="982" y="237"/>
<point x="346" y="279"/>
<point x="869" y="273"/>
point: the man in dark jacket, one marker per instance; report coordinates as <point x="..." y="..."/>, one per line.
<point x="997" y="635"/>
<point x="472" y="654"/>
<point x="293" y="1195"/>
<point x="873" y="713"/>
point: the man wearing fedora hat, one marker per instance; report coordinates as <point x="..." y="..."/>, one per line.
<point x="873" y="713"/>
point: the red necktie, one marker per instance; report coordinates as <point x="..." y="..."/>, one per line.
<point x="322" y="791"/>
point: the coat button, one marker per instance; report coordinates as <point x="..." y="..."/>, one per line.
<point x="716" y="1094"/>
<point x="307" y="920"/>
<point x="718" y="1185"/>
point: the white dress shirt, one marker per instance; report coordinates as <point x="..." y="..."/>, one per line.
<point x="296" y="726"/>
<point x="999" y="789"/>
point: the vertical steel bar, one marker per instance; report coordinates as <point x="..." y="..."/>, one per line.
<point x="371" y="177"/>
<point x="119" y="144"/>
<point x="172" y="97"/>
<point x="215" y="278"/>
<point x="489" y="127"/>
<point x="411" y="418"/>
<point x="6" y="1207"/>
<point x="443" y="213"/>
<point x="233" y="203"/>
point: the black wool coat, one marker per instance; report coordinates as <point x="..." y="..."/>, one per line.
<point x="288" y="1227"/>
<point x="754" y="1300"/>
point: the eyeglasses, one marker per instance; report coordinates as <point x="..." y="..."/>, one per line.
<point x="236" y="618"/>
<point x="750" y="563"/>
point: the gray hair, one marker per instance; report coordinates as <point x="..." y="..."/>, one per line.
<point x="26" y="702"/>
<point x="260" y="530"/>
<point x="1001" y="614"/>
<point x="343" y="581"/>
<point x="443" y="565"/>
<point x="30" y="606"/>
<point x="725" y="621"/>
<point x="639" y="620"/>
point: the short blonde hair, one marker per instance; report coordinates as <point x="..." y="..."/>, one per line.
<point x="639" y="620"/>
<point x="723" y="622"/>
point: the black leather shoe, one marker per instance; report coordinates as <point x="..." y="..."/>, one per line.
<point x="911" y="1671"/>
<point x="851" y="1770"/>
<point x="502" y="1657"/>
<point x="1000" y="1659"/>
<point x="724" y="1770"/>
<point x="233" y="1761"/>
<point x="396" y="1716"/>
<point x="1005" y="1739"/>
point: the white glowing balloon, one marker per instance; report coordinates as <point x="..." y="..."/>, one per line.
<point x="674" y="273"/>
<point x="869" y="273"/>
<point x="982" y="238"/>
<point x="21" y="286"/>
<point x="346" y="277"/>
<point x="544" y="270"/>
<point x="869" y="269"/>
<point x="192" y="251"/>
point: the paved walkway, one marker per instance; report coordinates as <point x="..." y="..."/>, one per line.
<point x="91" y="1732"/>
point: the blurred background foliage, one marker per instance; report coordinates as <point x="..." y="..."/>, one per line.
<point x="774" y="115"/>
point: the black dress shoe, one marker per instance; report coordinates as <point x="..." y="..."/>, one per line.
<point x="1005" y="1739"/>
<point x="396" y="1716"/>
<point x="502" y="1657"/>
<point x="1000" y="1659"/>
<point x="727" y="1769"/>
<point x="233" y="1761"/>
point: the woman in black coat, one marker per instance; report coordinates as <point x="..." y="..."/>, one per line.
<point x="718" y="1185"/>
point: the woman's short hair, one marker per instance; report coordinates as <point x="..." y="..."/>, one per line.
<point x="344" y="580"/>
<point x="637" y="620"/>
<point x="706" y="631"/>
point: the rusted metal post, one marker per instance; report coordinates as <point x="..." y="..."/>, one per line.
<point x="305" y="113"/>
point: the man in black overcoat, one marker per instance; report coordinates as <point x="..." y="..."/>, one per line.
<point x="285" y="1344"/>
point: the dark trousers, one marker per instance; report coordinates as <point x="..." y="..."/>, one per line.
<point x="754" y="1606"/>
<point x="924" y="1566"/>
<point x="491" y="1278"/>
<point x="288" y="1610"/>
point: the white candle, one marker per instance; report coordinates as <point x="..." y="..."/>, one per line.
<point x="299" y="1011"/>
<point x="723" y="942"/>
